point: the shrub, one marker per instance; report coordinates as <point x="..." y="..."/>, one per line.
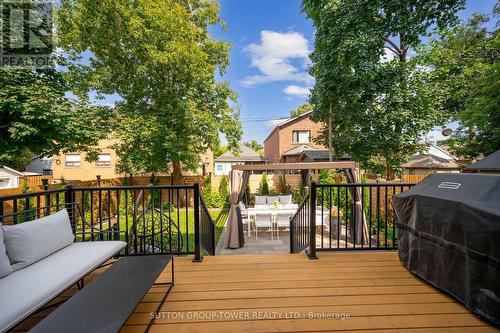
<point x="283" y="187"/>
<point x="223" y="188"/>
<point x="216" y="200"/>
<point x="264" y="186"/>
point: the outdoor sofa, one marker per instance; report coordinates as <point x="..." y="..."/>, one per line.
<point x="39" y="260"/>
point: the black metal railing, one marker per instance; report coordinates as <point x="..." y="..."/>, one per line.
<point x="299" y="227"/>
<point x="150" y="219"/>
<point x="355" y="216"/>
<point x="207" y="229"/>
<point x="346" y="217"/>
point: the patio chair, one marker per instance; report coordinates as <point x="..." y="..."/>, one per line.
<point x="282" y="221"/>
<point x="263" y="221"/>
<point x="244" y="215"/>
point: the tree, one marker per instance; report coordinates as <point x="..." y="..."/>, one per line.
<point x="37" y="117"/>
<point x="223" y="188"/>
<point x="465" y="71"/>
<point x="159" y="57"/>
<point x="264" y="185"/>
<point x="301" y="109"/>
<point x="379" y="100"/>
<point x="255" y="146"/>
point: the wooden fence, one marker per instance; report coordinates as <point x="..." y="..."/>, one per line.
<point x="34" y="181"/>
<point x="413" y="178"/>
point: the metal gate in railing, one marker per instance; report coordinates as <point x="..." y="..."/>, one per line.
<point x="350" y="216"/>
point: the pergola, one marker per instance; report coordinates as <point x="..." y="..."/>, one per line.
<point x="297" y="166"/>
<point x="240" y="174"/>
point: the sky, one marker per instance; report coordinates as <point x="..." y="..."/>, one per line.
<point x="271" y="41"/>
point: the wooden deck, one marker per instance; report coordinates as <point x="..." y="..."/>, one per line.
<point x="360" y="292"/>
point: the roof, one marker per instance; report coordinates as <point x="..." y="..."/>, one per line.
<point x="13" y="171"/>
<point x="298" y="166"/>
<point x="246" y="154"/>
<point x="29" y="173"/>
<point x="490" y="162"/>
<point x="308" y="113"/>
<point x="318" y="155"/>
<point x="298" y="150"/>
<point x="439" y="152"/>
<point x="430" y="162"/>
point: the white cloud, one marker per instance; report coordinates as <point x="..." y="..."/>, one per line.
<point x="273" y="55"/>
<point x="297" y="91"/>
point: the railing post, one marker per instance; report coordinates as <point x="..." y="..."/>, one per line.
<point x="291" y="236"/>
<point x="1" y="211"/>
<point x="69" y="201"/>
<point x="45" y="183"/>
<point x="312" y="223"/>
<point x="213" y="237"/>
<point x="197" y="230"/>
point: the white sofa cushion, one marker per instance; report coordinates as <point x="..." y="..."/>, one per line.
<point x="27" y="289"/>
<point x="29" y="242"/>
<point x="5" y="267"/>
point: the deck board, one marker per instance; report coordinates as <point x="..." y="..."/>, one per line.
<point x="277" y="293"/>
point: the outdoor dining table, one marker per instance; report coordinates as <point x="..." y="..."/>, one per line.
<point x="321" y="213"/>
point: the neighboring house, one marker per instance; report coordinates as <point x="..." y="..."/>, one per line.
<point x="293" y="154"/>
<point x="434" y="160"/>
<point x="297" y="132"/>
<point x="225" y="162"/>
<point x="40" y="165"/>
<point x="73" y="166"/>
<point x="318" y="155"/>
<point x="489" y="164"/>
<point x="9" y="178"/>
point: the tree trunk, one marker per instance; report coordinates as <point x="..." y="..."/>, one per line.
<point x="389" y="172"/>
<point x="330" y="158"/>
<point x="177" y="173"/>
<point x="178" y="180"/>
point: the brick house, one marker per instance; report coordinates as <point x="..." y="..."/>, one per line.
<point x="288" y="140"/>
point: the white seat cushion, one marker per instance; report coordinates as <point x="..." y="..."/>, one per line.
<point x="25" y="290"/>
<point x="272" y="199"/>
<point x="5" y="267"/>
<point x="29" y="242"/>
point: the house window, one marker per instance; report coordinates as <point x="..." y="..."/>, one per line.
<point x="72" y="160"/>
<point x="219" y="167"/>
<point x="301" y="136"/>
<point x="104" y="160"/>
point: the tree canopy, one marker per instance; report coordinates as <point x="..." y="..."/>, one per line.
<point x="306" y="107"/>
<point x="380" y="101"/>
<point x="254" y="145"/>
<point x="465" y="71"/>
<point x="38" y="118"/>
<point x="159" y="57"/>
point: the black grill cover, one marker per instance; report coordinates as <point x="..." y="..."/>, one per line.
<point x="449" y="235"/>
